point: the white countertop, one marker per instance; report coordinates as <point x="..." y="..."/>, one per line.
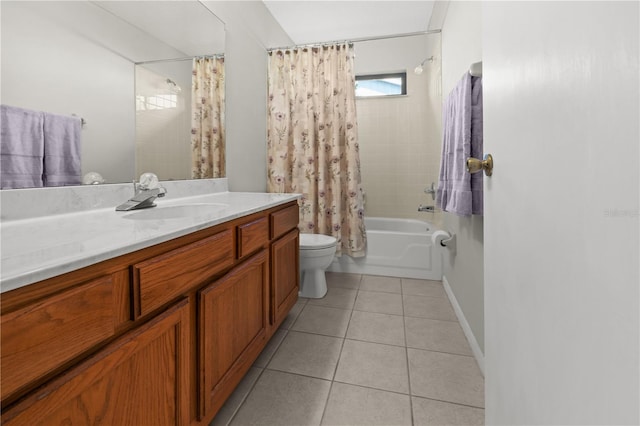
<point x="36" y="249"/>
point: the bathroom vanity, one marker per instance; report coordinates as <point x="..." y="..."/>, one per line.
<point x="158" y="331"/>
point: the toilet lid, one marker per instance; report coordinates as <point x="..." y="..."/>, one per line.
<point x="316" y="241"/>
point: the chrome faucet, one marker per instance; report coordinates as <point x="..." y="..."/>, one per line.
<point x="143" y="197"/>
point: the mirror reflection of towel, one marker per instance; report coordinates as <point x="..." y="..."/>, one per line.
<point x="62" y="137"/>
<point x="21" y="148"/>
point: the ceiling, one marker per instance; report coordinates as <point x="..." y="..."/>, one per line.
<point x="186" y="26"/>
<point x="311" y="21"/>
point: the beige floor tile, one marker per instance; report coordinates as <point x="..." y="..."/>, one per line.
<point x="270" y="349"/>
<point x="336" y="297"/>
<point x="323" y="320"/>
<point x="427" y="412"/>
<point x="338" y="279"/>
<point x="384" y="284"/>
<point x="428" y="307"/>
<point x="423" y="288"/>
<point x="377" y="328"/>
<point x="236" y="398"/>
<point x="293" y="314"/>
<point x="436" y="335"/>
<point x="446" y="377"/>
<point x="354" y="405"/>
<point x="284" y="399"/>
<point x="307" y="354"/>
<point x="373" y="365"/>
<point x="383" y="303"/>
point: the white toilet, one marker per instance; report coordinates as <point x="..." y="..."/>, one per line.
<point x="316" y="254"/>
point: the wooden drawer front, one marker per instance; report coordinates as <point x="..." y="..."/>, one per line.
<point x="139" y="379"/>
<point x="232" y="329"/>
<point x="252" y="236"/>
<point x="163" y="278"/>
<point x="43" y="336"/>
<point x="284" y="220"/>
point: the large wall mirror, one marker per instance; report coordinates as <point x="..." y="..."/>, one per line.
<point x="127" y="69"/>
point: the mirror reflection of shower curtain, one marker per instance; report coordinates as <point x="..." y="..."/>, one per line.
<point x="207" y="120"/>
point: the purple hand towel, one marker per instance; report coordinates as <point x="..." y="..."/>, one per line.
<point x="460" y="192"/>
<point x="62" y="137"/>
<point x="21" y="148"/>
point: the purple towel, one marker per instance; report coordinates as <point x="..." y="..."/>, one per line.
<point x="460" y="192"/>
<point x="62" y="150"/>
<point x="21" y="148"/>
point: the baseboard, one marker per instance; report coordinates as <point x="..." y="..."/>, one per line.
<point x="475" y="348"/>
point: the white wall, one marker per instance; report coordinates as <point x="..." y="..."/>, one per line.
<point x="250" y="29"/>
<point x="48" y="67"/>
<point x="463" y="268"/>
<point x="399" y="136"/>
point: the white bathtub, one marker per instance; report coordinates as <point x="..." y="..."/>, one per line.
<point x="395" y="248"/>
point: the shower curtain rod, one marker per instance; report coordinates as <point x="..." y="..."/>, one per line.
<point x="357" y="40"/>
<point x="186" y="58"/>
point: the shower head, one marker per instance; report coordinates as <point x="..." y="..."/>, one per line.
<point x="418" y="70"/>
<point x="173" y="86"/>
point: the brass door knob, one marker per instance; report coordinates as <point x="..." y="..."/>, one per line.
<point x="474" y="165"/>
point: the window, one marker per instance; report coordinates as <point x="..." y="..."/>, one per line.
<point x="381" y="84"/>
<point x="156" y="102"/>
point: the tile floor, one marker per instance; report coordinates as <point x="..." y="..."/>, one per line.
<point x="373" y="351"/>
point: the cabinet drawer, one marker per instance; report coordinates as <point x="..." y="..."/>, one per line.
<point x="284" y="220"/>
<point x="45" y="335"/>
<point x="138" y="379"/>
<point x="252" y="236"/>
<point x="163" y="278"/>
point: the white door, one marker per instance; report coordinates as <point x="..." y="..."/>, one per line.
<point x="561" y="114"/>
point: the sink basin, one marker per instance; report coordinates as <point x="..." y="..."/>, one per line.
<point x="199" y="211"/>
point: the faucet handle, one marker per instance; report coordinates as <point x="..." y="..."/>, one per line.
<point x="431" y="190"/>
<point x="149" y="181"/>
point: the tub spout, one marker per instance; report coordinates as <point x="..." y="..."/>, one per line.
<point x="422" y="208"/>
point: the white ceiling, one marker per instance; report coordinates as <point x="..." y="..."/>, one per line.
<point x="187" y="26"/>
<point x="321" y="21"/>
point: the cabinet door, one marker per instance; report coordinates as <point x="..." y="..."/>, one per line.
<point x="285" y="275"/>
<point x="139" y="379"/>
<point x="233" y="316"/>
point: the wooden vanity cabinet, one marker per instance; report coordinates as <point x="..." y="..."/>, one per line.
<point x="139" y="379"/>
<point x="159" y="336"/>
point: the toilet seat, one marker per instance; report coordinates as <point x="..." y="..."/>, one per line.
<point x="316" y="241"/>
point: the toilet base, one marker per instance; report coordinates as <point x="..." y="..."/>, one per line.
<point x="313" y="284"/>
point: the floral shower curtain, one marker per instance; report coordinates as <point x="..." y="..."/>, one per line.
<point x="313" y="140"/>
<point x="207" y="119"/>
